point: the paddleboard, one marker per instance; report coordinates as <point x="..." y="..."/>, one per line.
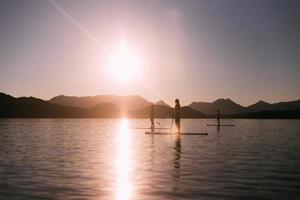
<point x="168" y="133"/>
<point x="220" y="125"/>
<point x="148" y="128"/>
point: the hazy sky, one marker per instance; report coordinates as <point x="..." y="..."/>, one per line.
<point x="195" y="50"/>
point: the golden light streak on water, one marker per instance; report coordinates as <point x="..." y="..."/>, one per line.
<point x="124" y="186"/>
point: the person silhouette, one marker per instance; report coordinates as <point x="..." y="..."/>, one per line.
<point x="151" y="115"/>
<point x="218" y="117"/>
<point x="177" y="115"/>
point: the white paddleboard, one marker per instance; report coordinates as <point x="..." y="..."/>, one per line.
<point x="168" y="133"/>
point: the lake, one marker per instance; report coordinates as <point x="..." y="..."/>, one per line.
<point x="107" y="159"/>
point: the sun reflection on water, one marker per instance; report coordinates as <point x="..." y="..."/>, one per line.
<point x="124" y="186"/>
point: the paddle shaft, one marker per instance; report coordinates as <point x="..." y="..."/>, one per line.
<point x="171" y="125"/>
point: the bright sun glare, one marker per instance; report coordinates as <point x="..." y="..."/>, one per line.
<point x="124" y="64"/>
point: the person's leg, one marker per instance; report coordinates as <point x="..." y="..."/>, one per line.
<point x="152" y="125"/>
<point x="177" y="121"/>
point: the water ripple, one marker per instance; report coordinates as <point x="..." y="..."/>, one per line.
<point x="105" y="159"/>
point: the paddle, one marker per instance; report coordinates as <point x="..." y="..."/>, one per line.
<point x="171" y="125"/>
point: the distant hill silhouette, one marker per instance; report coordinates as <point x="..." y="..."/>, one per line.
<point x="282" y="106"/>
<point x="259" y="106"/>
<point x="167" y="112"/>
<point x="160" y="112"/>
<point x="188" y="112"/>
<point x="104" y="110"/>
<point x="290" y="105"/>
<point x="123" y="103"/>
<point x="162" y="103"/>
<point x="226" y="106"/>
<point x="33" y="107"/>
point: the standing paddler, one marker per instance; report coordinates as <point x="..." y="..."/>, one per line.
<point x="151" y="115"/>
<point x="218" y="117"/>
<point x="177" y="115"/>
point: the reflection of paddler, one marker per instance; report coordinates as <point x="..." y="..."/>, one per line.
<point x="151" y="115"/>
<point x="177" y="115"/>
<point x="176" y="163"/>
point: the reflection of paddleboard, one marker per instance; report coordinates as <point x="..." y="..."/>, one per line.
<point x="220" y="125"/>
<point x="148" y="128"/>
<point x="168" y="133"/>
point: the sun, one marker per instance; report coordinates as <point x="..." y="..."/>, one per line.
<point x="124" y="64"/>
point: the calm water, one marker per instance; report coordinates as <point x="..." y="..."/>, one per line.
<point x="106" y="159"/>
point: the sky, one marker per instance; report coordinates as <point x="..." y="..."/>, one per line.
<point x="194" y="50"/>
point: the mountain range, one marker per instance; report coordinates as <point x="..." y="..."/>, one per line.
<point x="228" y="107"/>
<point x="112" y="106"/>
<point x="123" y="103"/>
<point x="25" y="107"/>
